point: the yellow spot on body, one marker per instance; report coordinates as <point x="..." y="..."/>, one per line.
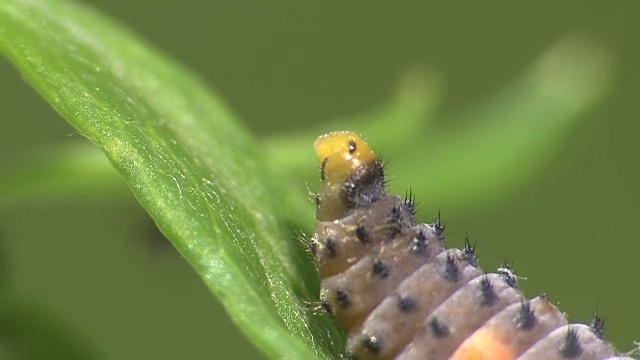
<point x="483" y="345"/>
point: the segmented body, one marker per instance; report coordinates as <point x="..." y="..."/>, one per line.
<point x="399" y="294"/>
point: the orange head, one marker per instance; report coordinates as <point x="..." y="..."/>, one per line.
<point x="340" y="153"/>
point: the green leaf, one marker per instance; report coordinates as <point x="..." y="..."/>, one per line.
<point x="188" y="162"/>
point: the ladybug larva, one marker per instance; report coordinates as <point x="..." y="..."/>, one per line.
<point x="399" y="294"/>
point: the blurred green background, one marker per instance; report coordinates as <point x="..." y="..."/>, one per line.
<point x="288" y="66"/>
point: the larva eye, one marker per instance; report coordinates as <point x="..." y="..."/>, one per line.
<point x="399" y="294"/>
<point x="352" y="146"/>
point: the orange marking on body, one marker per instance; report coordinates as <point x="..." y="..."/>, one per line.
<point x="483" y="345"/>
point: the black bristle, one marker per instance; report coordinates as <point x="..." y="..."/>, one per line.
<point x="372" y="343"/>
<point x="342" y="299"/>
<point x="331" y="247"/>
<point x="570" y="348"/>
<point x="384" y="162"/>
<point x="525" y="318"/>
<point x="438" y="227"/>
<point x="597" y="326"/>
<point x="488" y="296"/>
<point x="451" y="270"/>
<point x="362" y="234"/>
<point x="325" y="305"/>
<point x="406" y="304"/>
<point x="364" y="185"/>
<point x="410" y="203"/>
<point x="313" y="247"/>
<point x="507" y="274"/>
<point x="394" y="215"/>
<point x="419" y="245"/>
<point x="469" y="251"/>
<point x="437" y="328"/>
<point x="380" y="269"/>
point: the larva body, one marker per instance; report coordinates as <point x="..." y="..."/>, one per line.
<point x="399" y="294"/>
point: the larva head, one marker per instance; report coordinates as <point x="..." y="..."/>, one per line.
<point x="341" y="152"/>
<point x="343" y="155"/>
